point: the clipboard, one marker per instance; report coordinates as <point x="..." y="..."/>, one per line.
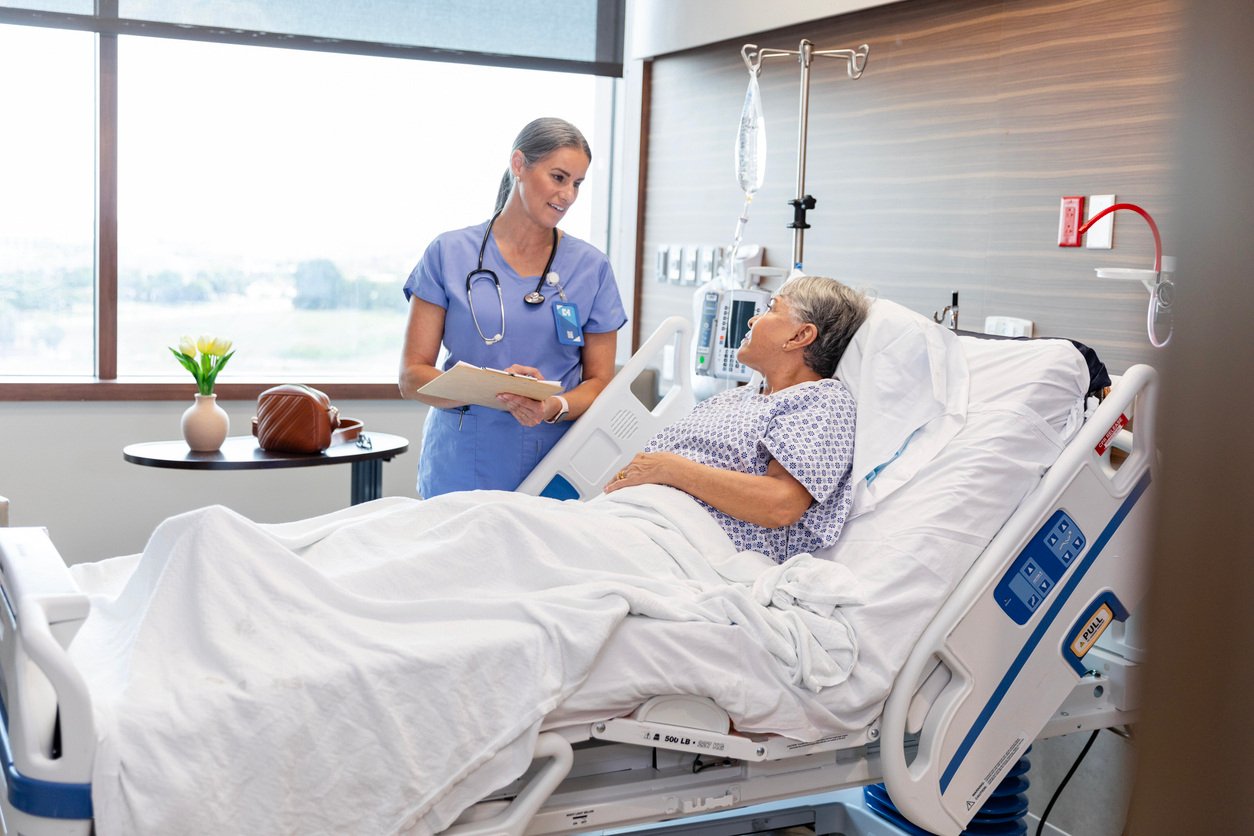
<point x="465" y="383"/>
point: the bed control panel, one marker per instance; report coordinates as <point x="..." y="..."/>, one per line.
<point x="1040" y="567"/>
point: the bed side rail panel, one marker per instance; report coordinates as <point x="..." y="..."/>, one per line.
<point x="47" y="741"/>
<point x="1070" y="562"/>
<point x="617" y="424"/>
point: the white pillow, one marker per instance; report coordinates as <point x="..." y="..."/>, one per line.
<point x="1045" y="375"/>
<point x="910" y="381"/>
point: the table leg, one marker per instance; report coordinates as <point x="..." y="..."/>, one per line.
<point x="367" y="481"/>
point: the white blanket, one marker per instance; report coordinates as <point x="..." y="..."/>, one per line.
<point x="378" y="669"/>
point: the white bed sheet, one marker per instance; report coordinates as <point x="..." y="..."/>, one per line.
<point x="378" y="669"/>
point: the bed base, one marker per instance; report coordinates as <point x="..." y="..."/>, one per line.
<point x="615" y="781"/>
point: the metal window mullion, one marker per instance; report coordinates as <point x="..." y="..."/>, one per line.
<point x="105" y="24"/>
<point x="106" y="255"/>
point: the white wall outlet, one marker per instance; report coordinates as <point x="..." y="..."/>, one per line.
<point x="705" y="264"/>
<point x="1008" y="326"/>
<point x="688" y="270"/>
<point x="659" y="264"/>
<point x="674" y="263"/>
<point x="1101" y="235"/>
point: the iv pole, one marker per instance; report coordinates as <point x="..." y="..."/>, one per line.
<point x="856" y="63"/>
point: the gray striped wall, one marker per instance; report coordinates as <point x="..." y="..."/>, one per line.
<point x="942" y="167"/>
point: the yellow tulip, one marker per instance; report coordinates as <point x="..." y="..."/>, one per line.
<point x="213" y="346"/>
<point x="187" y="346"/>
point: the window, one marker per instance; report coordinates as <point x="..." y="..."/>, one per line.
<point x="47" y="203"/>
<point x="280" y="198"/>
<point x="276" y="197"/>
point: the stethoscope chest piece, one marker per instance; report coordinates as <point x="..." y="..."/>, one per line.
<point x="551" y="278"/>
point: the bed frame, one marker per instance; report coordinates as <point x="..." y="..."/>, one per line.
<point x="1002" y="664"/>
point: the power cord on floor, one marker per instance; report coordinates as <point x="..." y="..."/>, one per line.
<point x="1040" y="827"/>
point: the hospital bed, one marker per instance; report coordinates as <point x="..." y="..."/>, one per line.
<point x="1006" y="640"/>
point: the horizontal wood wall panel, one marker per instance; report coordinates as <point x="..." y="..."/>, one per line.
<point x="941" y="168"/>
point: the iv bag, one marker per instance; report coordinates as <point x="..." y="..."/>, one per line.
<point x="751" y="141"/>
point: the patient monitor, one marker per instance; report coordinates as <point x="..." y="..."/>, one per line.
<point x="722" y="324"/>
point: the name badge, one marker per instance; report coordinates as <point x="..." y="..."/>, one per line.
<point x="566" y="315"/>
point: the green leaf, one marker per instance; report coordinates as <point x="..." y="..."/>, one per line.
<point x="213" y="373"/>
<point x="188" y="363"/>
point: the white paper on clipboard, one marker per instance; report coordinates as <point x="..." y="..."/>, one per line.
<point x="465" y="383"/>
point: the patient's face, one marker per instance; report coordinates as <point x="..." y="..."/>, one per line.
<point x="767" y="333"/>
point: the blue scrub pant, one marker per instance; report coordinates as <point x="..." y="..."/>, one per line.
<point x="482" y="449"/>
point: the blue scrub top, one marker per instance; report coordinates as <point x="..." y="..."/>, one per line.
<point x="486" y="448"/>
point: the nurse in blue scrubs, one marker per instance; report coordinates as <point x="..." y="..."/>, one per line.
<point x="512" y="293"/>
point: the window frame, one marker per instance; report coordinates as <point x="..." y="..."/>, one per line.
<point x="105" y="385"/>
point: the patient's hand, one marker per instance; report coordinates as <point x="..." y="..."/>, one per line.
<point x="648" y="469"/>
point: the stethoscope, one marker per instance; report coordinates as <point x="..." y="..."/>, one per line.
<point x="535" y="297"/>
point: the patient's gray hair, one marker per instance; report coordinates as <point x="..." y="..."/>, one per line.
<point x="537" y="140"/>
<point x="836" y="310"/>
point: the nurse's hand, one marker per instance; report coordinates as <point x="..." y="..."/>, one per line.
<point x="526" y="371"/>
<point x="526" y="411"/>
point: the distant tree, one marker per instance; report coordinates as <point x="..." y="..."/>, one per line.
<point x="320" y="286"/>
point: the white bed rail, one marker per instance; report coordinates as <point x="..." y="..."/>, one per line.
<point x="1016" y="649"/>
<point x="617" y="424"/>
<point x="49" y="742"/>
<point x="512" y="818"/>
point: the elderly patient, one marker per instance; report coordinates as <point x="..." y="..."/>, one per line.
<point x="772" y="466"/>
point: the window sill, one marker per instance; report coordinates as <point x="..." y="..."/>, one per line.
<point x="89" y="389"/>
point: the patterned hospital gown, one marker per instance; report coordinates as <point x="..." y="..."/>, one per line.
<point x="807" y="428"/>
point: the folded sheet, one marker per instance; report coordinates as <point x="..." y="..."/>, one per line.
<point x="377" y="669"/>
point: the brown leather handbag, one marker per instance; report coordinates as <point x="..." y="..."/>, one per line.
<point x="294" y="418"/>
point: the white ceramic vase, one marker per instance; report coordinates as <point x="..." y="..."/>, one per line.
<point x="205" y="424"/>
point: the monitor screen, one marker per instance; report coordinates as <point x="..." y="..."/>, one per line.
<point x="742" y="311"/>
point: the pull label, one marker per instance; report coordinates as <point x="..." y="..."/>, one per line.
<point x="1093" y="629"/>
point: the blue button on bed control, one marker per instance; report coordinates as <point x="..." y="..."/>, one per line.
<point x="1043" y="563"/>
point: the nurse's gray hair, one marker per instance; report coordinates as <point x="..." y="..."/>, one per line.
<point x="540" y="138"/>
<point x="835" y="310"/>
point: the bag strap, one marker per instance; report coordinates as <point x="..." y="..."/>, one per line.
<point x="347" y="431"/>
